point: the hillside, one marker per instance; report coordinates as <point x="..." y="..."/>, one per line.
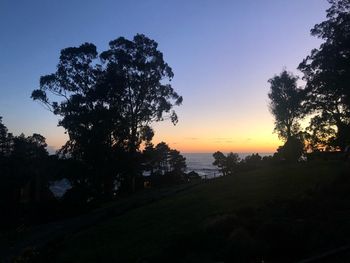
<point x="283" y="213"/>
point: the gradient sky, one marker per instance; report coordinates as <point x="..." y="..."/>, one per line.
<point x="222" y="54"/>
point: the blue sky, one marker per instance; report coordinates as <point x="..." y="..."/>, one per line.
<point x="222" y="54"/>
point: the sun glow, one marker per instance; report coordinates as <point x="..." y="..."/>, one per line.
<point x="187" y="138"/>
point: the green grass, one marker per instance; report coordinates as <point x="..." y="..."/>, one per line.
<point x="205" y="222"/>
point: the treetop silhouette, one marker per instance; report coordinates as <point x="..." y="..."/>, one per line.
<point x="108" y="101"/>
<point x="285" y="104"/>
<point x="327" y="74"/>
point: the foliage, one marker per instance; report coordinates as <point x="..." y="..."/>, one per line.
<point x="24" y="172"/>
<point x="161" y="159"/>
<point x="327" y="73"/>
<point x="220" y="161"/>
<point x="108" y="101"/>
<point x="285" y="104"/>
<point x="30" y="148"/>
<point x="321" y="134"/>
<point x="291" y="151"/>
<point x="228" y="165"/>
<point x="252" y="159"/>
<point x="176" y="161"/>
<point x="232" y="162"/>
<point x="327" y="68"/>
<point x="5" y="140"/>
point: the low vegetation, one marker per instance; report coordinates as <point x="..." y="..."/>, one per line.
<point x="279" y="214"/>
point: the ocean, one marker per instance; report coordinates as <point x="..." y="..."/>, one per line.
<point x="202" y="163"/>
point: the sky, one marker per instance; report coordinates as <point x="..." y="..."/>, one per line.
<point x="222" y="54"/>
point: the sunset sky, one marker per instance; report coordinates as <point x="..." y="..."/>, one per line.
<point x="222" y="54"/>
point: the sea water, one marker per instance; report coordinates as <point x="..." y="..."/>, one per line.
<point x="202" y="163"/>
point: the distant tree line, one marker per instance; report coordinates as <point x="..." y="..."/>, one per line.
<point x="231" y="163"/>
<point x="21" y="159"/>
<point x="23" y="162"/>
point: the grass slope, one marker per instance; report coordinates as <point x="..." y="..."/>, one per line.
<point x="281" y="214"/>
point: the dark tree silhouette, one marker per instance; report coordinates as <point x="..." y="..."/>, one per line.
<point x="220" y="162"/>
<point x="291" y="151"/>
<point x="327" y="73"/>
<point x="149" y="158"/>
<point x="139" y="70"/>
<point x="253" y="159"/>
<point x="161" y="159"/>
<point x="285" y="104"/>
<point x="232" y="163"/>
<point x="3" y="136"/>
<point x="5" y="140"/>
<point x="29" y="148"/>
<point x="107" y="103"/>
<point x="228" y="165"/>
<point x="166" y="166"/>
<point x="177" y="162"/>
<point x="23" y="163"/>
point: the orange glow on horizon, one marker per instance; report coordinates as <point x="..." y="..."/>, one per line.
<point x="201" y="145"/>
<point x="207" y="147"/>
<point x="189" y="138"/>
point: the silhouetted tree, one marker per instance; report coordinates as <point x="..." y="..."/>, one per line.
<point x="285" y="104"/>
<point x="327" y="73"/>
<point x="177" y="162"/>
<point x="29" y="148"/>
<point x="291" y="151"/>
<point x="23" y="166"/>
<point x="220" y="162"/>
<point x="228" y="165"/>
<point x="5" y="140"/>
<point x="28" y="157"/>
<point x="166" y="165"/>
<point x="321" y="133"/>
<point x="252" y="159"/>
<point x="232" y="163"/>
<point x="149" y="158"/>
<point x="140" y="70"/>
<point x="107" y="105"/>
<point x="162" y="159"/>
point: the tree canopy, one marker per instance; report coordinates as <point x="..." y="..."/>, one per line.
<point x="228" y="165"/>
<point x="5" y="140"/>
<point x="285" y="104"/>
<point x="111" y="98"/>
<point x="327" y="74"/>
<point x="161" y="159"/>
<point x="108" y="101"/>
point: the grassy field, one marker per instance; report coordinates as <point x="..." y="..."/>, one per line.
<point x="279" y="214"/>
